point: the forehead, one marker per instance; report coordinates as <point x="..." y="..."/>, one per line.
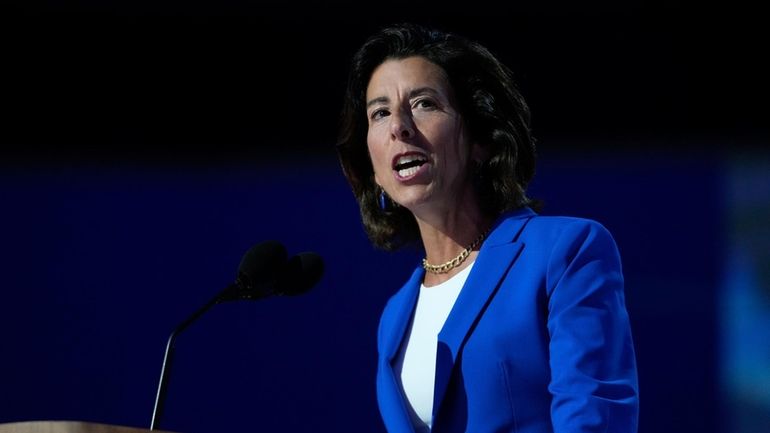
<point x="406" y="74"/>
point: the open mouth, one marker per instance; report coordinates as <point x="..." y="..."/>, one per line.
<point x="407" y="165"/>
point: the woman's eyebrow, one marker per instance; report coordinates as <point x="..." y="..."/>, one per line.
<point x="412" y="93"/>
<point x="423" y="91"/>
<point x="378" y="100"/>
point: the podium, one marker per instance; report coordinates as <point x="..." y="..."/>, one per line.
<point x="69" y="427"/>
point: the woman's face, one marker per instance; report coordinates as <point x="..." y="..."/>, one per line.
<point x="417" y="141"/>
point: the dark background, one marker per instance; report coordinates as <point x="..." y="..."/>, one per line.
<point x="147" y="145"/>
<point x="230" y="78"/>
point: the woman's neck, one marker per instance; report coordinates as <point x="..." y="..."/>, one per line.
<point x="447" y="234"/>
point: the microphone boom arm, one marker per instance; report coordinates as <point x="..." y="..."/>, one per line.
<point x="264" y="271"/>
<point x="165" y="372"/>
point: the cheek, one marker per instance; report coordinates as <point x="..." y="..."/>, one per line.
<point x="374" y="153"/>
<point x="375" y="156"/>
<point x="455" y="146"/>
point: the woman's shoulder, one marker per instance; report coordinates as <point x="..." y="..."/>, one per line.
<point x="560" y="224"/>
<point x="554" y="237"/>
<point x="532" y="225"/>
<point x="560" y="238"/>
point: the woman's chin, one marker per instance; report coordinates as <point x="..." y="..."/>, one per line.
<point x="413" y="204"/>
<point x="426" y="205"/>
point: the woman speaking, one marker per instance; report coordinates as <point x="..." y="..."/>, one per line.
<point x="513" y="322"/>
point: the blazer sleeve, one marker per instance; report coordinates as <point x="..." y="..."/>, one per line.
<point x="593" y="368"/>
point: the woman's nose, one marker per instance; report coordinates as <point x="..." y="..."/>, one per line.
<point x="402" y="126"/>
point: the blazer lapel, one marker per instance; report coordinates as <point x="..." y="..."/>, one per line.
<point x="393" y="407"/>
<point x="496" y="256"/>
<point x="400" y="314"/>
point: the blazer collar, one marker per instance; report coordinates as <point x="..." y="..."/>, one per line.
<point x="504" y="230"/>
<point x="508" y="227"/>
<point x="495" y="257"/>
<point x="403" y="303"/>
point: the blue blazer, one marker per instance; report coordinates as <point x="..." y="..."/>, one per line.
<point x="538" y="340"/>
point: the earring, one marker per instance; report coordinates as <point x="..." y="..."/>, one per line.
<point x="385" y="202"/>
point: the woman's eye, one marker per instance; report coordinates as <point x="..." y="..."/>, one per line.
<point x="425" y="103"/>
<point x="379" y="113"/>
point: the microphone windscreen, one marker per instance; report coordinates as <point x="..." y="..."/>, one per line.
<point x="261" y="264"/>
<point x="302" y="273"/>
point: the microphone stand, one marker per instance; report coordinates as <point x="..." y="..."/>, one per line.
<point x="165" y="372"/>
<point x="303" y="270"/>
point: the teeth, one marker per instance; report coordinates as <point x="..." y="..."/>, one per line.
<point x="408" y="165"/>
<point x="405" y="172"/>
<point x="409" y="158"/>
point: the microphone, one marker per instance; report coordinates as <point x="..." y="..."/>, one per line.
<point x="259" y="278"/>
<point x="264" y="271"/>
<point x="258" y="273"/>
<point x="301" y="273"/>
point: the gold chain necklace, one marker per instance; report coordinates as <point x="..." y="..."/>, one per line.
<point x="455" y="262"/>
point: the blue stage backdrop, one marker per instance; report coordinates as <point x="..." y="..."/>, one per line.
<point x="101" y="261"/>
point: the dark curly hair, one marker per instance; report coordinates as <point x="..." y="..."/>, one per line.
<point x="493" y="110"/>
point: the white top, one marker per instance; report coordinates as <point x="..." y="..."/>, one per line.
<point x="416" y="361"/>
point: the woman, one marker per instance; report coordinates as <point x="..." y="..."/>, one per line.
<point x="514" y="322"/>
